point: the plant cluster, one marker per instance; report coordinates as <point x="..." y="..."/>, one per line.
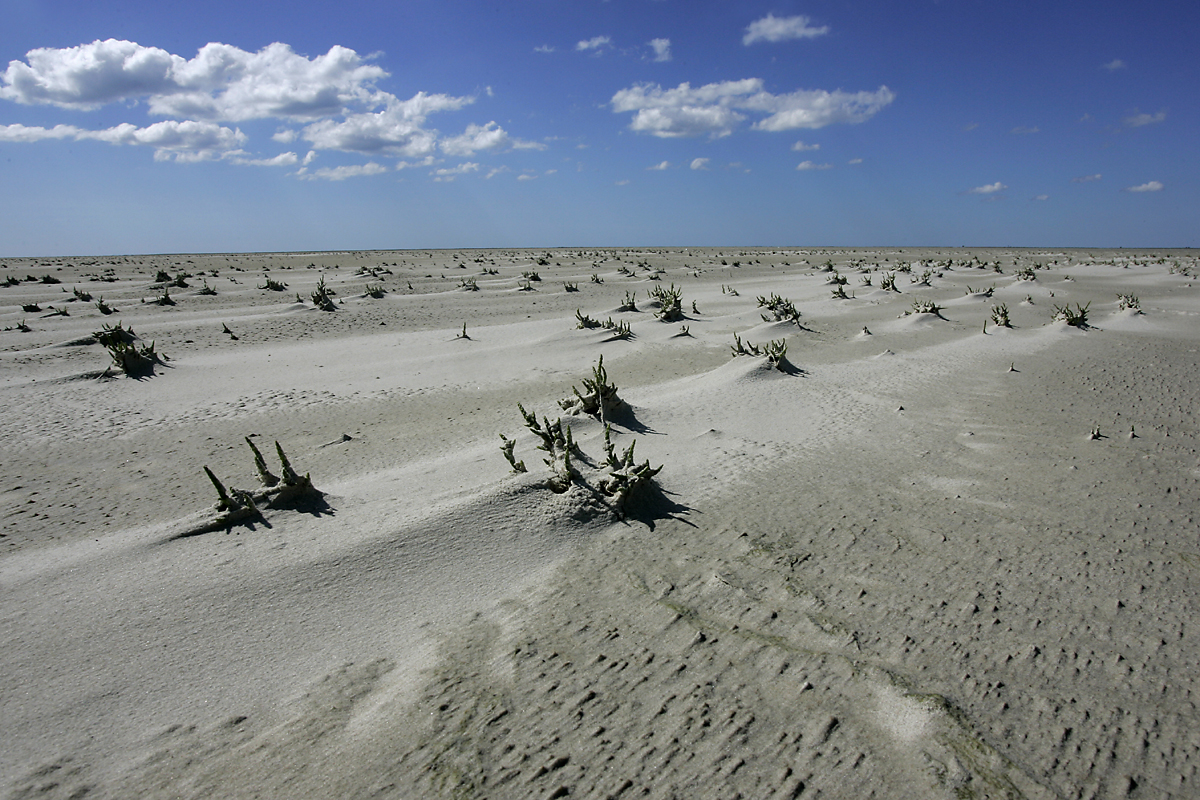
<point x="1026" y="274"/>
<point x="1000" y="315"/>
<point x="616" y="479"/>
<point x="236" y="505"/>
<point x="469" y="284"/>
<point x="122" y="347"/>
<point x="780" y="308"/>
<point x="1076" y="318"/>
<point x="1127" y="302"/>
<point x="670" y="303"/>
<point x="775" y="351"/>
<point x="924" y="307"/>
<point x="273" y="285"/>
<point x="584" y="321"/>
<point x="570" y="287"/>
<point x="888" y="282"/>
<point x="629" y="303"/>
<point x="322" y="296"/>
<point x="599" y="398"/>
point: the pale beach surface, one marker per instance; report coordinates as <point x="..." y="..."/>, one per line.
<point x="931" y="557"/>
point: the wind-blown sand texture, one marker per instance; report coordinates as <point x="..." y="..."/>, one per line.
<point x="900" y="567"/>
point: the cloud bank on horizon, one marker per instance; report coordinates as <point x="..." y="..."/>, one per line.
<point x="714" y="96"/>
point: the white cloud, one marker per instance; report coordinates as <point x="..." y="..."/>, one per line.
<point x="397" y="129"/>
<point x="484" y="137"/>
<point x="181" y="141"/>
<point x="716" y="108"/>
<point x="990" y="188"/>
<point x="526" y="177"/>
<point x="1151" y="186"/>
<point x="333" y="95"/>
<point x="1115" y="65"/>
<point x="309" y="157"/>
<point x="1139" y="120"/>
<point x="855" y="161"/>
<point x="545" y="48"/>
<point x="662" y="49"/>
<point x="1021" y="129"/>
<point x="1042" y="197"/>
<point x="800" y="147"/>
<point x="222" y="82"/>
<point x="1086" y="178"/>
<point x="597" y="43"/>
<point x="660" y="166"/>
<point x="342" y="173"/>
<point x="281" y="160"/>
<point x="496" y="171"/>
<point x="779" y="29"/>
<point x="807" y="165"/>
<point x="623" y="182"/>
<point x="462" y="169"/>
<point x="700" y="163"/>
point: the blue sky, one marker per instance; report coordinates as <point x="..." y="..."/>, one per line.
<point x="142" y="127"/>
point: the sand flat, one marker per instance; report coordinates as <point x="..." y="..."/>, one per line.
<point x="901" y="566"/>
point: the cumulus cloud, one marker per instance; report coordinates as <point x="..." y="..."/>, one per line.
<point x="448" y="174"/>
<point x="780" y="29"/>
<point x="1151" y="186"/>
<point x="855" y="161"/>
<point x="545" y="48"/>
<point x="800" y="147"/>
<point x="717" y="108"/>
<point x="397" y="129"/>
<point x="1139" y="120"/>
<point x="1086" y="178"/>
<point x="990" y="188"/>
<point x="807" y="165"/>
<point x="596" y="43"/>
<point x="1022" y="129"/>
<point x="1115" y="65"/>
<point x="525" y="176"/>
<point x="281" y="160"/>
<point x="662" y="49"/>
<point x="332" y="96"/>
<point x="1042" y="197"/>
<point x="660" y="166"/>
<point x="181" y="141"/>
<point x="222" y="82"/>
<point x="700" y="163"/>
<point x="484" y="137"/>
<point x="342" y="173"/>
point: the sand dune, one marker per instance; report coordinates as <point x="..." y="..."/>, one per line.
<point x="931" y="556"/>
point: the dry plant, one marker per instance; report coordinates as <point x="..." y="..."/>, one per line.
<point x="599" y="398"/>
<point x="584" y="321"/>
<point x="1076" y="318"/>
<point x="775" y="351"/>
<point x="780" y="308"/>
<point x="615" y="480"/>
<point x="322" y="296"/>
<point x="238" y="505"/>
<point x="1128" y="302"/>
<point x="670" y="308"/>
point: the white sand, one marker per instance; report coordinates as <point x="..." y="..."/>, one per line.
<point x="900" y="569"/>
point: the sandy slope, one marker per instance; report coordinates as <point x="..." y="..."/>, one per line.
<point x="901" y="568"/>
